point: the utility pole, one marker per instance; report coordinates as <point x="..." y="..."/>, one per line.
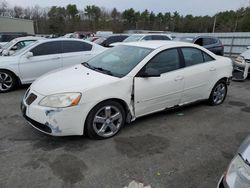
<point x="215" y="19"/>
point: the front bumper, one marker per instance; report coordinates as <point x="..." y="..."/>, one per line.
<point x="53" y="121"/>
<point x="222" y="183"/>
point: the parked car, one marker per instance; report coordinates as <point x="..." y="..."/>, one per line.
<point x="128" y="81"/>
<point x="41" y="57"/>
<point x="237" y="174"/>
<point x="242" y="66"/>
<point x="6" y="37"/>
<point x="145" y="37"/>
<point x="107" y="40"/>
<point x="211" y="43"/>
<point x="17" y="44"/>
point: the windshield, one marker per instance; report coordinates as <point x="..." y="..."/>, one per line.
<point x="184" y="39"/>
<point x="133" y="38"/>
<point x="24" y="49"/>
<point x="118" y="61"/>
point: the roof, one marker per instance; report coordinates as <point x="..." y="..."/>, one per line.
<point x="28" y="38"/>
<point x="157" y="44"/>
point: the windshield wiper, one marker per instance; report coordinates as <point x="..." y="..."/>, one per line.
<point x="97" y="68"/>
<point x="104" y="70"/>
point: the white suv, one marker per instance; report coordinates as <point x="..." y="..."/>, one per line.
<point x="41" y="57"/>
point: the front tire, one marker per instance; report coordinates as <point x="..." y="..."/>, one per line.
<point x="218" y="93"/>
<point x="105" y="120"/>
<point x="8" y="81"/>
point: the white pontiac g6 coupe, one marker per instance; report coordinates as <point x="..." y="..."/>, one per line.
<point x="97" y="97"/>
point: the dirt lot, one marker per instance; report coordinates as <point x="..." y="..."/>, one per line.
<point x="189" y="147"/>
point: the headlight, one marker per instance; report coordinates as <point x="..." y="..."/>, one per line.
<point x="240" y="59"/>
<point x="61" y="100"/>
<point x="238" y="173"/>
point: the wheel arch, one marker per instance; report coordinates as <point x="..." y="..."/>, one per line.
<point x="128" y="114"/>
<point x="12" y="72"/>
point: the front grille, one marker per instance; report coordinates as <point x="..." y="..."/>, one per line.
<point x="30" y="99"/>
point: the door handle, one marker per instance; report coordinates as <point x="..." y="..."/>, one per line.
<point x="212" y="69"/>
<point x="179" y="78"/>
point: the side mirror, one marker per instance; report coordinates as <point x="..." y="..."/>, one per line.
<point x="29" y="55"/>
<point x="5" y="52"/>
<point x="11" y="52"/>
<point x="150" y="72"/>
<point x="248" y="47"/>
<point x="14" y="48"/>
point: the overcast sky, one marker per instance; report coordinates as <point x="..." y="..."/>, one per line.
<point x="195" y="7"/>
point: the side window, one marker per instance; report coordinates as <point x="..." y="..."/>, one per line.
<point x="199" y="42"/>
<point x="156" y="37"/>
<point x="208" y="41"/>
<point x="75" y="46"/>
<point x="47" y="48"/>
<point x="149" y="37"/>
<point x="207" y="57"/>
<point x="192" y="56"/>
<point x="165" y="61"/>
<point x="165" y="38"/>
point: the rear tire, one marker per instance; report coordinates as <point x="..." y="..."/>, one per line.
<point x="8" y="81"/>
<point x="105" y="120"/>
<point x="218" y="93"/>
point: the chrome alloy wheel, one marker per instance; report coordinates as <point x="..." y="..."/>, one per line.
<point x="219" y="93"/>
<point x="107" y="121"/>
<point x="6" y="81"/>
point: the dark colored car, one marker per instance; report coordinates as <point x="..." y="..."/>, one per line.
<point x="211" y="43"/>
<point x="107" y="40"/>
<point x="8" y="36"/>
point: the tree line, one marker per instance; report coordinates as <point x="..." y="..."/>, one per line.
<point x="61" y="20"/>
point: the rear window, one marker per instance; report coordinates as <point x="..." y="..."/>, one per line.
<point x="75" y="46"/>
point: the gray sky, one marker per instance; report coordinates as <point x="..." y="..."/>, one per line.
<point x="195" y="7"/>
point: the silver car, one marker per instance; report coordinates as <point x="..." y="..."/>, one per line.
<point x="238" y="172"/>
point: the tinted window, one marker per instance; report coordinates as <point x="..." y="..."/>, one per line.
<point x="159" y="37"/>
<point x="199" y="42"/>
<point x="75" y="46"/>
<point x="147" y="37"/>
<point x="207" y="57"/>
<point x="114" y="39"/>
<point x="209" y="41"/>
<point x="192" y="56"/>
<point x="165" y="61"/>
<point x="47" y="48"/>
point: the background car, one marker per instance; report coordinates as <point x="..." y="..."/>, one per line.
<point x="6" y="37"/>
<point x="242" y="66"/>
<point x="145" y="37"/>
<point x="128" y="81"/>
<point x="41" y="57"/>
<point x="107" y="40"/>
<point x="237" y="174"/>
<point x="17" y="44"/>
<point x="211" y="43"/>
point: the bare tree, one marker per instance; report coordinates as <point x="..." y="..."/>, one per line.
<point x="18" y="11"/>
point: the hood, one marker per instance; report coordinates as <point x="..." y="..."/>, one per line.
<point x="73" y="79"/>
<point x="8" y="60"/>
<point x="244" y="149"/>
<point x="246" y="54"/>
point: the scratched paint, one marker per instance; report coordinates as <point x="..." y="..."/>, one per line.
<point x="52" y="112"/>
<point x="54" y="129"/>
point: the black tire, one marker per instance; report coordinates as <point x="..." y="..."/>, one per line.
<point x="92" y="125"/>
<point x="212" y="98"/>
<point x="8" y="81"/>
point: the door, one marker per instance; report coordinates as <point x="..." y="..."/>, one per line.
<point x="76" y="52"/>
<point x="46" y="57"/>
<point x="199" y="70"/>
<point x="157" y="93"/>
